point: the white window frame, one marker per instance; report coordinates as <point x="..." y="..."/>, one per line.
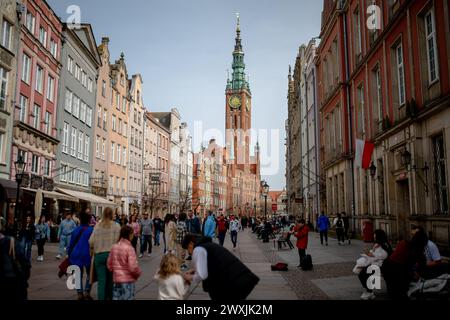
<point x="119" y="150"/>
<point x="82" y="111"/>
<point x="124" y="157"/>
<point x="43" y="36"/>
<point x="103" y="149"/>
<point x="7" y="31"/>
<point x="86" y="148"/>
<point x="400" y="74"/>
<point x="70" y="64"/>
<point x="39" y="85"/>
<point x="80" y="144"/>
<point x="3" y="88"/>
<point x="73" y="145"/>
<point x="65" y="144"/>
<point x="23" y="108"/>
<point x="90" y="85"/>
<point x="113" y="121"/>
<point x="30" y="25"/>
<point x="113" y="151"/>
<point x="431" y="37"/>
<point x="88" y="116"/>
<point x="76" y="106"/>
<point x="54" y="48"/>
<point x="97" y="147"/>
<point x="47" y="167"/>
<point x="48" y="123"/>
<point x="37" y="116"/>
<point x="35" y="159"/>
<point x="26" y="69"/>
<point x="50" y="88"/>
<point x="69" y="101"/>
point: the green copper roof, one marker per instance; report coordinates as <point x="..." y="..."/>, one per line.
<point x="238" y="81"/>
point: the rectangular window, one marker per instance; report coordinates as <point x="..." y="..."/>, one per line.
<point x="377" y="100"/>
<point x="117" y="101"/>
<point x="63" y="173"/>
<point x="69" y="101"/>
<point x="30" y="22"/>
<point x="35" y="164"/>
<point x="70" y="64"/>
<point x="77" y="72"/>
<point x="26" y="69"/>
<point x="90" y="85"/>
<point x="23" y="109"/>
<point x="124" y="105"/>
<point x="3" y="88"/>
<point x="86" y="148"/>
<point x="105" y="119"/>
<point x="80" y="144"/>
<point x="103" y="149"/>
<point x="361" y="120"/>
<point x="73" y="145"/>
<point x="83" y="112"/>
<point x="440" y="175"/>
<point x="104" y="89"/>
<point x="48" y="123"/>
<point x="88" y="116"/>
<point x="99" y="117"/>
<point x="37" y="117"/>
<point x="43" y="36"/>
<point x="39" y="79"/>
<point x="50" y="88"/>
<point x="113" y="151"/>
<point x="120" y="126"/>
<point x="83" y="79"/>
<point x="113" y="123"/>
<point x="7" y="35"/>
<point x="400" y="75"/>
<point x="97" y="147"/>
<point x="54" y="48"/>
<point x="65" y="144"/>
<point x="430" y="32"/>
<point x="47" y="167"/>
<point x="76" y="106"/>
<point x="124" y="157"/>
<point x="357" y="33"/>
<point x="119" y="153"/>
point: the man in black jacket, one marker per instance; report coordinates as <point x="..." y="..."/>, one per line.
<point x="224" y="276"/>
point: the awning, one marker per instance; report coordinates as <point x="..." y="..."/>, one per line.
<point x="8" y="189"/>
<point x="53" y="195"/>
<point x="88" y="197"/>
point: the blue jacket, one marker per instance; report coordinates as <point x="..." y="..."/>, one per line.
<point x="80" y="254"/>
<point x="66" y="227"/>
<point x="322" y="223"/>
<point x="42" y="231"/>
<point x="210" y="227"/>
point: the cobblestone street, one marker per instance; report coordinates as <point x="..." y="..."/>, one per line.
<point x="332" y="277"/>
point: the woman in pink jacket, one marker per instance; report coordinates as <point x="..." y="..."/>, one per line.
<point x="122" y="262"/>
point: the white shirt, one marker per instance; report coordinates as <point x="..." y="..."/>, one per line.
<point x="200" y="264"/>
<point x="234" y="225"/>
<point x="171" y="288"/>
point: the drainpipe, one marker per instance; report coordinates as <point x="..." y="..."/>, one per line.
<point x="349" y="110"/>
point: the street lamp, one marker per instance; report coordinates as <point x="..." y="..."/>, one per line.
<point x="20" y="166"/>
<point x="265" y="194"/>
<point x="405" y="157"/>
<point x="373" y="170"/>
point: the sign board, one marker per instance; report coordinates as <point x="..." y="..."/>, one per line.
<point x="298" y="200"/>
<point x="274" y="207"/>
<point x="154" y="179"/>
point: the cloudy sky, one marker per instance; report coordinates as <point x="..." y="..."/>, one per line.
<point x="183" y="49"/>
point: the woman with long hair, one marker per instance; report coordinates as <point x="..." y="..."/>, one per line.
<point x="106" y="233"/>
<point x="379" y="252"/>
<point x="171" y="285"/>
<point x="42" y="235"/>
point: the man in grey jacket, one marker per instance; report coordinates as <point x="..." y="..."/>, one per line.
<point x="147" y="231"/>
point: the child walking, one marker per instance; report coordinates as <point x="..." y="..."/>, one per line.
<point x="171" y="283"/>
<point x="122" y="262"/>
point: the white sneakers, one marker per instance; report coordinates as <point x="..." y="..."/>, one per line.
<point x="368" y="296"/>
<point x="141" y="255"/>
<point x="58" y="256"/>
<point x="40" y="258"/>
<point x="149" y="255"/>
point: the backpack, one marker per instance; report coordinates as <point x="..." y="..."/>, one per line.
<point x="222" y="226"/>
<point x="306" y="264"/>
<point x="340" y="224"/>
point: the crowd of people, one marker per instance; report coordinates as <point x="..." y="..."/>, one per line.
<point x="107" y="252"/>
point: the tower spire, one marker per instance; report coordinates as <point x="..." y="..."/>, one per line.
<point x="238" y="79"/>
<point x="238" y="46"/>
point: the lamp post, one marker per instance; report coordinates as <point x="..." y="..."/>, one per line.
<point x="20" y="166"/>
<point x="265" y="194"/>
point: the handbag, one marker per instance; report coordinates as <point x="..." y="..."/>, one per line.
<point x="66" y="262"/>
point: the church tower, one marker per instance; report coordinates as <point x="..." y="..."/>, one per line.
<point x="238" y="107"/>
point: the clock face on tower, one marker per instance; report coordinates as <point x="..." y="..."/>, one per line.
<point x="235" y="102"/>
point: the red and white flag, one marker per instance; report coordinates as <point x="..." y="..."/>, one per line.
<point x="363" y="153"/>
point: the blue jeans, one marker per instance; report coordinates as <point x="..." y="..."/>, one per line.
<point x="26" y="245"/>
<point x="124" y="291"/>
<point x="234" y="238"/>
<point x="221" y="237"/>
<point x="146" y="239"/>
<point x="157" y="237"/>
<point x="87" y="286"/>
<point x="64" y="242"/>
